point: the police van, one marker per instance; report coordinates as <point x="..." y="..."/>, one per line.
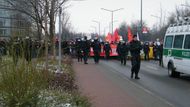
<point x="176" y="53"/>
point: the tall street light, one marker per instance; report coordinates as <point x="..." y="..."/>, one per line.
<point x="159" y="19"/>
<point x="141" y="18"/>
<point x="94" y="27"/>
<point x="111" y="24"/>
<point x="60" y="12"/>
<point x="112" y="11"/>
<point x="98" y="25"/>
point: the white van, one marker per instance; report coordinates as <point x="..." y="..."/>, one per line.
<point x="176" y="54"/>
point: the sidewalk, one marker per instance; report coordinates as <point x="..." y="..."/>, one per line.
<point x="101" y="91"/>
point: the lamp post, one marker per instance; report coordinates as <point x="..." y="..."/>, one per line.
<point x="98" y="25"/>
<point x="60" y="11"/>
<point x="159" y="19"/>
<point x="112" y="11"/>
<point x="94" y="27"/>
<point x="141" y="17"/>
<point x="111" y="24"/>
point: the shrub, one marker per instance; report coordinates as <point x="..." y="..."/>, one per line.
<point x="20" y="84"/>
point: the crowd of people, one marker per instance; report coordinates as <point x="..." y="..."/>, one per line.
<point x="81" y="48"/>
<point x="134" y="50"/>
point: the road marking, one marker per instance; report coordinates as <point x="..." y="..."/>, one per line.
<point x="149" y="92"/>
<point x="151" y="67"/>
<point x="144" y="89"/>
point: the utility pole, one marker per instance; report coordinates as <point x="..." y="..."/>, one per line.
<point x="98" y="25"/>
<point x="60" y="11"/>
<point x="141" y="28"/>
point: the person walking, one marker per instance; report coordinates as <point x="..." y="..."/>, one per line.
<point x="123" y="52"/>
<point x="85" y="49"/>
<point x="135" y="48"/>
<point x="146" y="51"/>
<point x="78" y="47"/>
<point x="97" y="49"/>
<point x="107" y="50"/>
<point x="118" y="50"/>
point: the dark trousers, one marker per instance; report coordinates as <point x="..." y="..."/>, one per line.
<point x="85" y="57"/>
<point x="96" y="56"/>
<point x="160" y="60"/>
<point x="123" y="59"/>
<point x="135" y="61"/>
<point x="79" y="56"/>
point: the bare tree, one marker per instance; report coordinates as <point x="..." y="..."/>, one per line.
<point x="43" y="13"/>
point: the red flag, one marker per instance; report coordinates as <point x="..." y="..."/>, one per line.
<point x="130" y="35"/>
<point x="109" y="38"/>
<point x="116" y="36"/>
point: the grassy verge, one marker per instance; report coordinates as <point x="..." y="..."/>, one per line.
<point x="26" y="84"/>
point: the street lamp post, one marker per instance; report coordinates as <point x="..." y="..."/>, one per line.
<point x="141" y="27"/>
<point x="94" y="27"/>
<point x="98" y="25"/>
<point x="159" y="19"/>
<point x="60" y="11"/>
<point x="111" y="24"/>
<point x="112" y="11"/>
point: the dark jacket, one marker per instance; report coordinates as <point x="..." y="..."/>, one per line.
<point x="107" y="47"/>
<point x="124" y="49"/>
<point x="96" y="46"/>
<point x="85" y="45"/>
<point x="135" y="48"/>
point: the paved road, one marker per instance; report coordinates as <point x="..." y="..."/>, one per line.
<point x="108" y="85"/>
<point x="154" y="80"/>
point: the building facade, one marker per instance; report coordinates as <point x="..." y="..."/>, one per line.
<point x="12" y="23"/>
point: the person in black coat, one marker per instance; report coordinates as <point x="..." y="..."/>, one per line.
<point x="146" y="51"/>
<point x="118" y="50"/>
<point x="97" y="49"/>
<point x="135" y="48"/>
<point x="78" y="47"/>
<point x="107" y="50"/>
<point x="123" y="52"/>
<point x="85" y="49"/>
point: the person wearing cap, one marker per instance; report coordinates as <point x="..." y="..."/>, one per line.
<point x="135" y="48"/>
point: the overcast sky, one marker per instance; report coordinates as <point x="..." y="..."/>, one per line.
<point x="82" y="13"/>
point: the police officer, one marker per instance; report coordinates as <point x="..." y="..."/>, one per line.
<point x="118" y="50"/>
<point x="146" y="51"/>
<point x="135" y="48"/>
<point x="97" y="49"/>
<point x="86" y="49"/>
<point x="123" y="52"/>
<point x="107" y="50"/>
<point x="78" y="47"/>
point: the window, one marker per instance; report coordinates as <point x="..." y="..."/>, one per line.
<point x="187" y="42"/>
<point x="178" y="41"/>
<point x="168" y="42"/>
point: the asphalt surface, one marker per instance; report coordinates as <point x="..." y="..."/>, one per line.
<point x="109" y="85"/>
<point x="155" y="81"/>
